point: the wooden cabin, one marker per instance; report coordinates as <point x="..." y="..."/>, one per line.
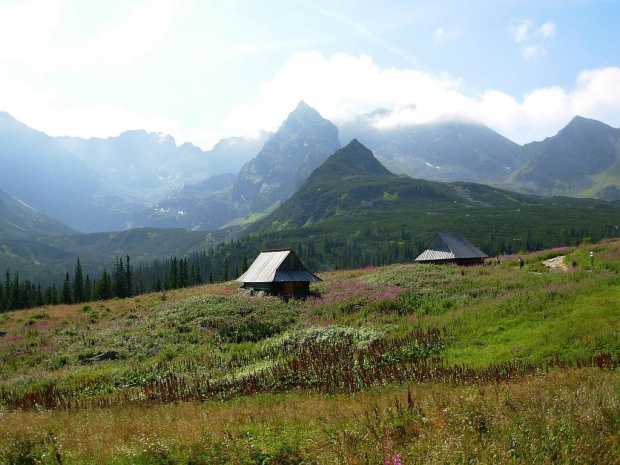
<point x="451" y="248"/>
<point x="278" y="272"/>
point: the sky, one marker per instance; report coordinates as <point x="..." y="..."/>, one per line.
<point x="202" y="70"/>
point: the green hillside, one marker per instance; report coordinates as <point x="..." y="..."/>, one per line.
<point x="381" y="365"/>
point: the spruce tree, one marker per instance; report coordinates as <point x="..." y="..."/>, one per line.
<point x="88" y="289"/>
<point x="128" y="277"/>
<point x="66" y="290"/>
<point x="79" y="293"/>
<point x="15" y="289"/>
<point x="5" y="303"/>
<point x="105" y="289"/>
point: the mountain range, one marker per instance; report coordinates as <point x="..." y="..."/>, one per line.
<point x="141" y="179"/>
<point x="297" y="182"/>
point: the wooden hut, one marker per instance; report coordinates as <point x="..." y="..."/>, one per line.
<point x="451" y="248"/>
<point x="278" y="272"/>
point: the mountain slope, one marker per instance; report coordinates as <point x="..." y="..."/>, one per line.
<point x="583" y="158"/>
<point x="19" y="220"/>
<point x="447" y="151"/>
<point x="301" y="144"/>
<point x="148" y="166"/>
<point x="352" y="182"/>
<point x="37" y="170"/>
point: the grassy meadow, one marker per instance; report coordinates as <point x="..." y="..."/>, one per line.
<point x="402" y="364"/>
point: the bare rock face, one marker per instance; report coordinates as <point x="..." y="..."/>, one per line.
<point x="302" y="144"/>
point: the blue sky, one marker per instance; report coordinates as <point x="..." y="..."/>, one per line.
<point x="203" y="70"/>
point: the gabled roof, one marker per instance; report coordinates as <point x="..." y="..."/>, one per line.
<point x="450" y="246"/>
<point x="277" y="266"/>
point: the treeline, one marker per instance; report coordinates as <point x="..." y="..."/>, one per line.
<point x="319" y="249"/>
<point x="16" y="293"/>
<point x="122" y="282"/>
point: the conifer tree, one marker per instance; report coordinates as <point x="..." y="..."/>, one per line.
<point x="120" y="279"/>
<point x="105" y="288"/>
<point x="66" y="290"/>
<point x="225" y="276"/>
<point x="88" y="289"/>
<point x="128" y="277"/>
<point x="196" y="276"/>
<point x="79" y="294"/>
<point x="5" y="303"/>
<point x="40" y="301"/>
<point x="14" y="296"/>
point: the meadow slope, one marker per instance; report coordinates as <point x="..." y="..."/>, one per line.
<point x="394" y="365"/>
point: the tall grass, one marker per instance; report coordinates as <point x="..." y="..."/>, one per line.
<point x="406" y="363"/>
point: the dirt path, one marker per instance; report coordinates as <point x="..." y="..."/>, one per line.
<point x="556" y="263"/>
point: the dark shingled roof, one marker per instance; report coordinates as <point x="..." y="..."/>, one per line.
<point x="450" y="246"/>
<point x="277" y="266"/>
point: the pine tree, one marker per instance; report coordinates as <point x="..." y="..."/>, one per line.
<point x="88" y="289"/>
<point x="14" y="297"/>
<point x="128" y="277"/>
<point x="105" y="288"/>
<point x="120" y="279"/>
<point x="5" y="303"/>
<point x="225" y="270"/>
<point x="55" y="300"/>
<point x="183" y="280"/>
<point x="79" y="293"/>
<point x="66" y="290"/>
<point x="196" y="278"/>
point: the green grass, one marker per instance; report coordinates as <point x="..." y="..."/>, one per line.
<point x="382" y="361"/>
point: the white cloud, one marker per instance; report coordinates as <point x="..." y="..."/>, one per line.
<point x="121" y="43"/>
<point x="521" y="30"/>
<point x="546" y="31"/>
<point x="342" y="86"/>
<point x="45" y="110"/>
<point x="442" y="35"/>
<point x="31" y="35"/>
<point x="533" y="50"/>
<point x="533" y="40"/>
<point x="27" y="32"/>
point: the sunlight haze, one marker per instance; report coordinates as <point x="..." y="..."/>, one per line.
<point x="204" y="70"/>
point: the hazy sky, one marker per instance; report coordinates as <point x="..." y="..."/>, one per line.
<point x="203" y="70"/>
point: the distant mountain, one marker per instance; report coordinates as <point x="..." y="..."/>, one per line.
<point x="18" y="220"/>
<point x="141" y="179"/>
<point x="448" y="151"/>
<point x="37" y="170"/>
<point x="148" y="166"/>
<point x="300" y="145"/>
<point x="230" y="154"/>
<point x="352" y="160"/>
<point x="351" y="211"/>
<point x="101" y="184"/>
<point x="321" y="195"/>
<point x="583" y="159"/>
